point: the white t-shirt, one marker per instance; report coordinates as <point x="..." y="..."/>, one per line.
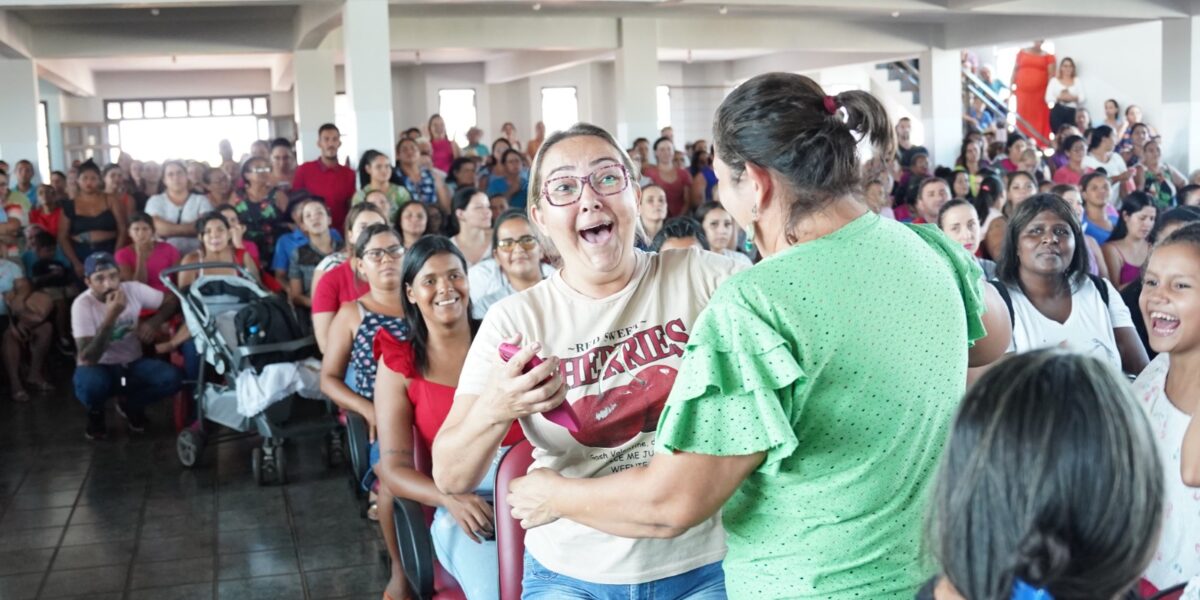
<point x="87" y="312"/>
<point x="196" y="205"/>
<point x="489" y="285"/>
<point x="1114" y="167"/>
<point x="1177" y="559"/>
<point x="620" y="355"/>
<point x="1056" y="87"/>
<point x="738" y="257"/>
<point x="1088" y="330"/>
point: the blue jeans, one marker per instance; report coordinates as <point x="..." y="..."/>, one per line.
<point x="474" y="566"/>
<point x="146" y="381"/>
<point x="703" y="583"/>
<point x="191" y="360"/>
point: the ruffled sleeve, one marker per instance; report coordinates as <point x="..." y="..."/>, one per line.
<point x="738" y="389"/>
<point x="967" y="274"/>
<point x="396" y="354"/>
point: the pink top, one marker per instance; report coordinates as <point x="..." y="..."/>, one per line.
<point x="162" y="256"/>
<point x="443" y="154"/>
<point x="336" y="287"/>
<point x="1066" y="174"/>
<point x="676" y="190"/>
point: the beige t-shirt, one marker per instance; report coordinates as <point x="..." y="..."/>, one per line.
<point x="619" y="358"/>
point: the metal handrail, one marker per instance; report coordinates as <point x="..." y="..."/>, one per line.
<point x="975" y="85"/>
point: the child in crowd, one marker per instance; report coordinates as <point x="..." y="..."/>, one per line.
<point x="45" y="215"/>
<point x="51" y="275"/>
<point x="1168" y="390"/>
<point x="1049" y="486"/>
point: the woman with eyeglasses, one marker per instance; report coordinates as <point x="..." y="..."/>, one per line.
<point x="177" y="209"/>
<point x="807" y="415"/>
<point x="261" y="207"/>
<point x="515" y="266"/>
<point x="611" y="326"/>
<point x="351" y="339"/>
<point x="414" y="390"/>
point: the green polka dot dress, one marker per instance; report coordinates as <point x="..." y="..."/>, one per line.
<point x="843" y="359"/>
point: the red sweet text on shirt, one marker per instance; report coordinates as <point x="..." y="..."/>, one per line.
<point x="640" y="349"/>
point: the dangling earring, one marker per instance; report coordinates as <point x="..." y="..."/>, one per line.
<point x="750" y="230"/>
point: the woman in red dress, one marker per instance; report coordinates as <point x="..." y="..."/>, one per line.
<point x="1031" y="74"/>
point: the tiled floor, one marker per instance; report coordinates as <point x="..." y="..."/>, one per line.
<point x="120" y="519"/>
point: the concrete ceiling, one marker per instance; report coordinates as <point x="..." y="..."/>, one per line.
<point x="78" y="37"/>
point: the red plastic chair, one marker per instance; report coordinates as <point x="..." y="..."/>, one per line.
<point x="426" y="578"/>
<point x="510" y="536"/>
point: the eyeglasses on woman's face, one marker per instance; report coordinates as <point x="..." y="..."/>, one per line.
<point x="609" y="180"/>
<point x="527" y="243"/>
<point x="376" y="255"/>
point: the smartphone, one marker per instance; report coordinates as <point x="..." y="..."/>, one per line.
<point x="560" y="415"/>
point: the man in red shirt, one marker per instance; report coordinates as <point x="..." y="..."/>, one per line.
<point x="326" y="178"/>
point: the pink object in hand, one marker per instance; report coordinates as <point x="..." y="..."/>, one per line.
<point x="560" y="415"/>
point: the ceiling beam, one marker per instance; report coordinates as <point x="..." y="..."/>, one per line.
<point x="985" y="30"/>
<point x="70" y="76"/>
<point x="163" y="38"/>
<point x="520" y="64"/>
<point x="314" y="22"/>
<point x="808" y="34"/>
<point x="282" y="74"/>
<point x="16" y="36"/>
<point x="973" y="4"/>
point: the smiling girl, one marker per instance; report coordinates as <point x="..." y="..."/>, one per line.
<point x="1169" y="390"/>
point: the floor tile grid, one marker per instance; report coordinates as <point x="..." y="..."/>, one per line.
<point x="58" y="546"/>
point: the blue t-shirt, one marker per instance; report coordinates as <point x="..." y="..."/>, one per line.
<point x="289" y="242"/>
<point x="1100" y="235"/>
<point x="499" y="185"/>
<point x="9" y="274"/>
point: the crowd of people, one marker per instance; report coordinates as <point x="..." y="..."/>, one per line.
<point x="767" y="343"/>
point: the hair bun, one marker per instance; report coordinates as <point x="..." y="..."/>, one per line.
<point x="1043" y="557"/>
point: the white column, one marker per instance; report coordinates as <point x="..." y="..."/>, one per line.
<point x="941" y="104"/>
<point x="369" y="76"/>
<point x="19" y="105"/>
<point x="1181" y="93"/>
<point x="315" y="91"/>
<point x="637" y="77"/>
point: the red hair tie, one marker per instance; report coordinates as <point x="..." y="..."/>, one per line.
<point x="831" y="105"/>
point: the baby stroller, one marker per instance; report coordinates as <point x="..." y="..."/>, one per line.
<point x="261" y="384"/>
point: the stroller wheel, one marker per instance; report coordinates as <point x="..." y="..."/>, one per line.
<point x="189" y="446"/>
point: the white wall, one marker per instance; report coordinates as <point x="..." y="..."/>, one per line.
<point x="1124" y="63"/>
<point x="177" y="84"/>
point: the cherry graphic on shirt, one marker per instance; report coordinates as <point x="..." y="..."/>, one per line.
<point x="619" y="414"/>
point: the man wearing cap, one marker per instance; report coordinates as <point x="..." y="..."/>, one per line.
<point x="104" y="320"/>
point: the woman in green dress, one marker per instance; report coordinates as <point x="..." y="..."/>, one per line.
<point x="817" y="388"/>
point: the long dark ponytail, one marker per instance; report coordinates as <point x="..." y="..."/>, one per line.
<point x="785" y="122"/>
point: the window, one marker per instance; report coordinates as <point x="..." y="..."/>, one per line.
<point x="188" y="128"/>
<point x="457" y="108"/>
<point x="663" y="94"/>
<point x="560" y="108"/>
